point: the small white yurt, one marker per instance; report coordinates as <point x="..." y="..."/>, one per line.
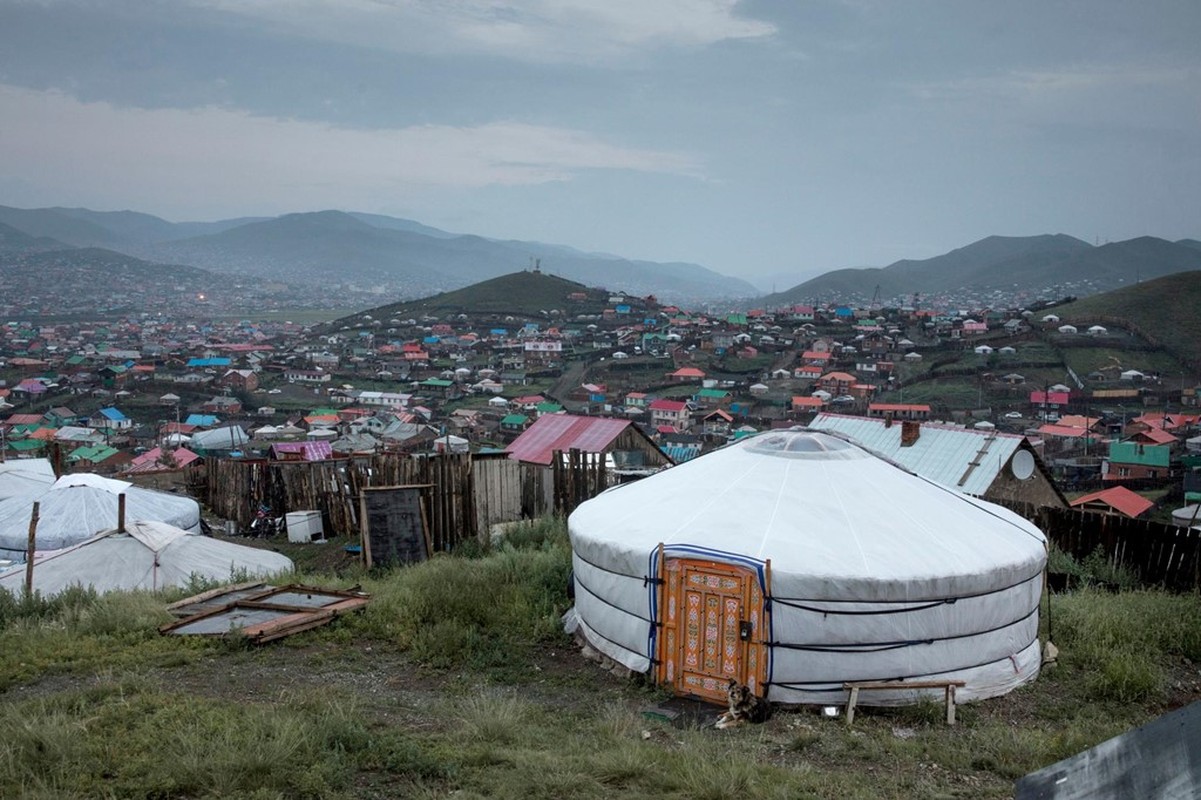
<point x="794" y="561"/>
<point x="78" y="506"/>
<point x="148" y="556"/>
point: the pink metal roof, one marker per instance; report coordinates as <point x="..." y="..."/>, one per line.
<point x="152" y="460"/>
<point x="309" y="451"/>
<point x="565" y="432"/>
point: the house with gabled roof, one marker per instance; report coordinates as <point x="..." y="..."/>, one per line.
<point x="687" y="375"/>
<point x="162" y="460"/>
<point x="624" y="441"/>
<point x="837" y="383"/>
<point x="801" y="405"/>
<point x="60" y="416"/>
<point x="675" y="413"/>
<point x="1134" y="460"/>
<point x="1115" y="500"/>
<point x="717" y="424"/>
<point x="200" y="421"/>
<point x="995" y="466"/>
<point x="899" y="411"/>
<point x="310" y="450"/>
<point x="98" y="458"/>
<point x="110" y="419"/>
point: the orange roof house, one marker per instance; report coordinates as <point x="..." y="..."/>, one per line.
<point x="1115" y="500"/>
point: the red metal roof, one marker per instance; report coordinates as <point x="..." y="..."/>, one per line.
<point x="1064" y="431"/>
<point x="1118" y="498"/>
<point x="565" y="432"/>
<point x="1157" y="436"/>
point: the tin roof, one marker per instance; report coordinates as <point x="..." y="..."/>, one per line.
<point x="565" y="432"/>
<point x="964" y="459"/>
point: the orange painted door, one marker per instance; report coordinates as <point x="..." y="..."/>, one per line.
<point x="712" y="616"/>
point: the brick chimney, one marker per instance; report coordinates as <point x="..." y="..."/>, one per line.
<point x="910" y="431"/>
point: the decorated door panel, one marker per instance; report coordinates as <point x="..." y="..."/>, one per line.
<point x="712" y="617"/>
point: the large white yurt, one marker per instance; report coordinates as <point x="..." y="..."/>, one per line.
<point x="795" y="561"/>
<point x="149" y="556"/>
<point x="78" y="506"/>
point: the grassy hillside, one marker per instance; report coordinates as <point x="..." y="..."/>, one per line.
<point x="518" y="294"/>
<point x="457" y="680"/>
<point x="1165" y="310"/>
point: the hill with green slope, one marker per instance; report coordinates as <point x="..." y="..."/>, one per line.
<point x="1163" y="310"/>
<point x="522" y="295"/>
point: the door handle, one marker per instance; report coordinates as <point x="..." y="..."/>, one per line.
<point x="745" y="629"/>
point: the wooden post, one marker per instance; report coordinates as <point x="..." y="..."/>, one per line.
<point x="33" y="532"/>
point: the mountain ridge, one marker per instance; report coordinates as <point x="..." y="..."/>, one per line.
<point x="366" y="251"/>
<point x="1051" y="263"/>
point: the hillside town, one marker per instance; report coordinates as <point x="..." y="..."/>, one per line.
<point x="145" y="394"/>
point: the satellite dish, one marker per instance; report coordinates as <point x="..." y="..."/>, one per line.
<point x="1022" y="465"/>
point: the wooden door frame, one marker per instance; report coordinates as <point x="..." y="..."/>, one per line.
<point x="753" y="667"/>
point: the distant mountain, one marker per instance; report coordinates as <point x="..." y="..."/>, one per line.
<point x="51" y="223"/>
<point x="13" y="240"/>
<point x="135" y="227"/>
<point x="397" y="224"/>
<point x="411" y="259"/>
<point x="82" y="227"/>
<point x="1010" y="264"/>
<point x="368" y="252"/>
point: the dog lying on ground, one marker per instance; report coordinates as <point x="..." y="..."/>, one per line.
<point x="744" y="707"/>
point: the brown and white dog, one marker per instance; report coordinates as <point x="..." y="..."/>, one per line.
<point x="744" y="707"/>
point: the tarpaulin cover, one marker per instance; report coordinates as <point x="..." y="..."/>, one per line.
<point x="149" y="555"/>
<point x="76" y="507"/>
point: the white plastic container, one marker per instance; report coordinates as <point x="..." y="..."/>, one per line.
<point x="304" y="526"/>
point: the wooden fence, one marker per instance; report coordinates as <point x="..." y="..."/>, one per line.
<point x="464" y="495"/>
<point x="1159" y="555"/>
<point x="578" y="476"/>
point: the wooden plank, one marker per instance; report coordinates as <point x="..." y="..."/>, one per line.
<point x="932" y="684"/>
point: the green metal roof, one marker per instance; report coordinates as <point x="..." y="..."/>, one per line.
<point x="1145" y="455"/>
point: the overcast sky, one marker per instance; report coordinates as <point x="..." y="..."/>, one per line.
<point x="762" y="139"/>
